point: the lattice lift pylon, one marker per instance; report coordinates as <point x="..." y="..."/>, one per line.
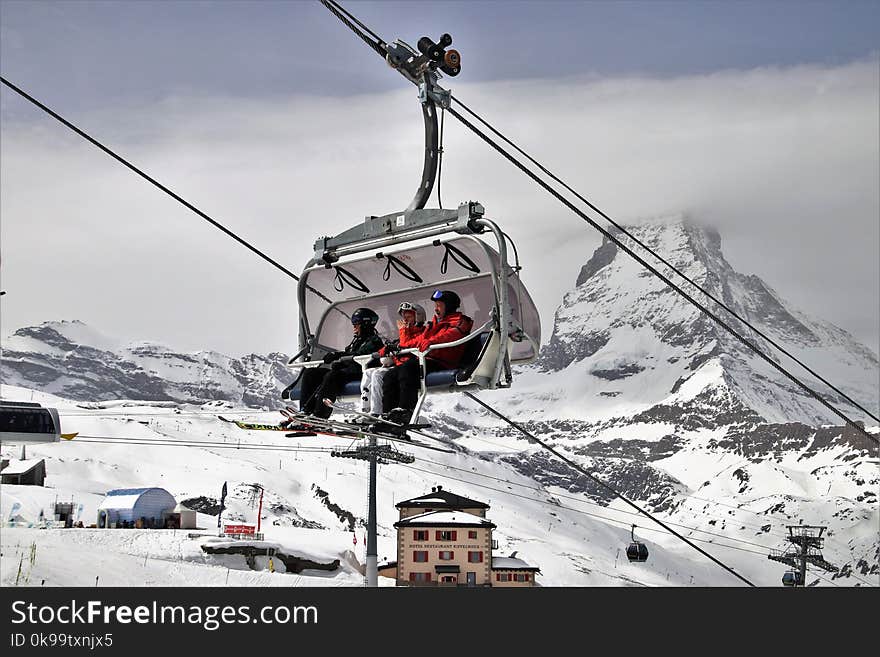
<point x="806" y="548"/>
<point x="385" y="454"/>
<point x="374" y="454"/>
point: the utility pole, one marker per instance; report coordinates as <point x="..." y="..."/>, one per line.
<point x="374" y="454"/>
<point x="372" y="550"/>
<point x="806" y="547"/>
<point x="260" y="509"/>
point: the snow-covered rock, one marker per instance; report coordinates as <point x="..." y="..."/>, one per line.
<point x="75" y="361"/>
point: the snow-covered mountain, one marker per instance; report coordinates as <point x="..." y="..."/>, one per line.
<point x="657" y="400"/>
<point x="634" y="384"/>
<point x="72" y="360"/>
<point x="623" y="340"/>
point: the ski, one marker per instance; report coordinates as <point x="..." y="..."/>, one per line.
<point x="254" y="426"/>
<point x="300" y="430"/>
<point x="312" y="425"/>
<point x="414" y="428"/>
<point x="347" y="430"/>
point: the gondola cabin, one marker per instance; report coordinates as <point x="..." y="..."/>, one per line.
<point x="792" y="578"/>
<point x="357" y="269"/>
<point x="28" y="422"/>
<point x="636" y="551"/>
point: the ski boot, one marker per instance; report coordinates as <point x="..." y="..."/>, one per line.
<point x="393" y="423"/>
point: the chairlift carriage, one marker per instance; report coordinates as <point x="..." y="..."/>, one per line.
<point x="507" y="327"/>
<point x="408" y="255"/>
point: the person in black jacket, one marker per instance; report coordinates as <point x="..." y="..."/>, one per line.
<point x="319" y="383"/>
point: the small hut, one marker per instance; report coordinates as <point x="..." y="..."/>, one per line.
<point x="30" y="472"/>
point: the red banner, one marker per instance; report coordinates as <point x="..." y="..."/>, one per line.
<point x="239" y="529"/>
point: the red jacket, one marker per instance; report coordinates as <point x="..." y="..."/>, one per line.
<point x="409" y="339"/>
<point x="449" y="329"/>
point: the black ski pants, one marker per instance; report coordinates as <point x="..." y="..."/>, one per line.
<point x="319" y="383"/>
<point x="402" y="385"/>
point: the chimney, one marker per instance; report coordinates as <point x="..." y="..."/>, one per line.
<point x="439" y="488"/>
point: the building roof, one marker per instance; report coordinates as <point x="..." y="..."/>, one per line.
<point x="445" y="519"/>
<point x="21" y="467"/>
<point x="511" y="563"/>
<point x="442" y="499"/>
<point x="129" y="491"/>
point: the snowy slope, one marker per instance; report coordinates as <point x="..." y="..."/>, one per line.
<point x="575" y="539"/>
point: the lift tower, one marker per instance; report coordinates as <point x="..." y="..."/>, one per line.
<point x="374" y="454"/>
<point x="806" y="547"/>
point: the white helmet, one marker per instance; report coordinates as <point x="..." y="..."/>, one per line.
<point x="421" y="316"/>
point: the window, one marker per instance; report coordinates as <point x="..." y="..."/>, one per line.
<point x="446" y="535"/>
<point x="420" y="556"/>
<point x="475" y="557"/>
<point x="502" y="577"/>
<point x="448" y="579"/>
<point x="521" y="577"/>
<point x="420" y="577"/>
<point x="446" y="555"/>
<point x="21" y="420"/>
<point x="420" y="535"/>
<point x="472" y="533"/>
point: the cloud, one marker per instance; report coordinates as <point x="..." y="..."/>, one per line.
<point x="783" y="160"/>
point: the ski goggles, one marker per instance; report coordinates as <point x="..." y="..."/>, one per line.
<point x="437" y="296"/>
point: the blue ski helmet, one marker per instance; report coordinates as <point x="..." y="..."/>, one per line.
<point x="448" y="297"/>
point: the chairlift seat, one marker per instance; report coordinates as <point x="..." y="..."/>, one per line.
<point x="448" y="378"/>
<point x="441" y="378"/>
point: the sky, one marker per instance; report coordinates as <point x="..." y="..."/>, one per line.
<point x="759" y="118"/>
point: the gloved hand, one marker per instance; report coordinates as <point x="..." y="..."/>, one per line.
<point x="337" y="365"/>
<point x="392" y="347"/>
<point x="333" y="356"/>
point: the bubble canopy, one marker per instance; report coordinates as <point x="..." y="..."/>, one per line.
<point x="381" y="281"/>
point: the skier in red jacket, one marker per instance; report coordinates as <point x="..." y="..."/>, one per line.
<point x="410" y="327"/>
<point x="400" y="387"/>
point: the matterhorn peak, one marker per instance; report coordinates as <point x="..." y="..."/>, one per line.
<point x="621" y="327"/>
